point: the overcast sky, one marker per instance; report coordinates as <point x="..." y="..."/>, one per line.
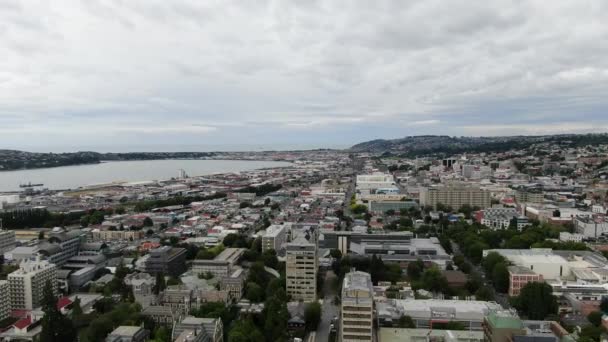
<point x="284" y="73"/>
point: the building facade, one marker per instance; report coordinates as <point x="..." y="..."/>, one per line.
<point x="26" y="285"/>
<point x="520" y="276"/>
<point x="357" y="308"/>
<point x="455" y="196"/>
<point x="274" y="237"/>
<point x="166" y="260"/>
<point x="301" y="270"/>
<point x="7" y="241"/>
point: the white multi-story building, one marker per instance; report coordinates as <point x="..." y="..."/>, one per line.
<point x="301" y="270"/>
<point x="455" y="195"/>
<point x="501" y="218"/>
<point x="274" y="237"/>
<point x="375" y="182"/>
<point x="7" y="241"/>
<point x="569" y="237"/>
<point x="357" y="310"/>
<point x="5" y="300"/>
<point x="593" y="227"/>
<point x="26" y="285"/>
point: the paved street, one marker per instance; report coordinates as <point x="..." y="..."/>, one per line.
<point x="329" y="309"/>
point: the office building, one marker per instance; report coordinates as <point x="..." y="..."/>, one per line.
<point x="26" y="285"/>
<point x="529" y="196"/>
<point x="274" y="237"/>
<point x="424" y="335"/>
<point x="62" y="245"/>
<point x="505" y="326"/>
<point x="166" y="260"/>
<point x="455" y="195"/>
<point x="301" y="270"/>
<point x="357" y="308"/>
<point x="7" y="241"/>
<point x="520" y="276"/>
<point x="221" y="265"/>
<point x="376" y="183"/>
<point x="427" y="312"/>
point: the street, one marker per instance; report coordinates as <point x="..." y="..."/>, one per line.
<point x="329" y="310"/>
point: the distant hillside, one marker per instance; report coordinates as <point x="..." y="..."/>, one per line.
<point x="17" y="160"/>
<point x="442" y="144"/>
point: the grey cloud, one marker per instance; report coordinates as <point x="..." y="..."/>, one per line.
<point x="358" y="68"/>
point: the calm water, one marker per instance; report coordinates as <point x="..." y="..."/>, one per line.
<point x="70" y="177"/>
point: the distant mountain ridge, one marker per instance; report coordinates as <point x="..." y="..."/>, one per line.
<point x="443" y="144"/>
<point x="16" y="160"/>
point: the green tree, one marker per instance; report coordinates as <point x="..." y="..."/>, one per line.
<point x="484" y="293"/>
<point x="254" y="292"/>
<point x="335" y="253"/>
<point x="276" y="316"/>
<point x="432" y="280"/>
<point x="536" y="301"/>
<point x="55" y="326"/>
<point x="500" y="277"/>
<point x="160" y="283"/>
<point x="148" y="222"/>
<point x="604" y="305"/>
<point x="490" y="261"/>
<point x="245" y="331"/>
<point x="595" y="318"/>
<point x="406" y="321"/>
<point x="414" y="269"/>
<point x="312" y="316"/>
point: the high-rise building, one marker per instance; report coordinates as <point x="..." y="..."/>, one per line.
<point x="455" y="196"/>
<point x="301" y="270"/>
<point x="5" y="300"/>
<point x="356" y="318"/>
<point x="26" y="285"/>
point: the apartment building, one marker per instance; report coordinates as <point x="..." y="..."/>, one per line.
<point x="7" y="241"/>
<point x="274" y="237"/>
<point x="455" y="195"/>
<point x="301" y="270"/>
<point x="26" y="285"/>
<point x="357" y="308"/>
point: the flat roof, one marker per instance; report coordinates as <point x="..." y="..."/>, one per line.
<point x="400" y="334"/>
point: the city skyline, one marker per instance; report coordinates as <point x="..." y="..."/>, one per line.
<point x="316" y="74"/>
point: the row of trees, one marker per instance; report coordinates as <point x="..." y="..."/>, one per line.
<point x="474" y="238"/>
<point x="35" y="218"/>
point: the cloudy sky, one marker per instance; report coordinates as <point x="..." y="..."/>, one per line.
<point x="116" y="73"/>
